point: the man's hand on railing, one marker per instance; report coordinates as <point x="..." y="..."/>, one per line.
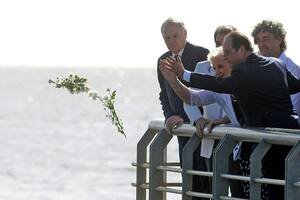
<point x="173" y="122"/>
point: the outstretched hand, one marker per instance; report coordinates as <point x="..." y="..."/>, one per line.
<point x="172" y="64"/>
<point x="169" y="75"/>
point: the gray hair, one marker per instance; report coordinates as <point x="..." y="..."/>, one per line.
<point x="172" y="21"/>
<point x="215" y="53"/>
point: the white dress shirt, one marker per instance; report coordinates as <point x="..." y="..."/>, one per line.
<point x="294" y="69"/>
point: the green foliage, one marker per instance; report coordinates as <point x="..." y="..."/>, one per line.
<point x="76" y="84"/>
<point x="73" y="83"/>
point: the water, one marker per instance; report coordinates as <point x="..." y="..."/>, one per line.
<point x="58" y="146"/>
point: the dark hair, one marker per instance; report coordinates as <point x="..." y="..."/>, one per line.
<point x="224" y="29"/>
<point x="239" y="39"/>
<point x="274" y="27"/>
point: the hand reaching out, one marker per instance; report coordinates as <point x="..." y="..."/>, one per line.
<point x="169" y="75"/>
<point x="172" y="64"/>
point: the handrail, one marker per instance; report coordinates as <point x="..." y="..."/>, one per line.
<point x="271" y="135"/>
<point x="158" y="165"/>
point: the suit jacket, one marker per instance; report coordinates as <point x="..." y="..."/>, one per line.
<point x="171" y="104"/>
<point x="262" y="87"/>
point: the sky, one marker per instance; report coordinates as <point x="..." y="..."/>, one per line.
<point x="123" y="33"/>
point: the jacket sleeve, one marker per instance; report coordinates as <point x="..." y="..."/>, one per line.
<point x="193" y="112"/>
<point x="202" y="97"/>
<point x="221" y="85"/>
<point x="293" y="82"/>
<point x="163" y="97"/>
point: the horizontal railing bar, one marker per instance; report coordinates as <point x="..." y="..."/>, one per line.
<point x="199" y="173"/>
<point x="171" y="164"/>
<point x="270" y="181"/>
<point x="143" y="165"/>
<point x="235" y="177"/>
<point x="281" y="130"/>
<point x="173" y="184"/>
<point x="297" y="184"/>
<point x="166" y="189"/>
<point x="231" y="198"/>
<point x="171" y="169"/>
<point x="199" y="194"/>
<point x="144" y="185"/>
<point x="253" y="134"/>
<point x="146" y="165"/>
<point x="257" y="180"/>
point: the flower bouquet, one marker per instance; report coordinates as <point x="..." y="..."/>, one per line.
<point x="76" y="84"/>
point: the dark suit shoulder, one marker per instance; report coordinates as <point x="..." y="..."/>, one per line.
<point x="167" y="54"/>
<point x="196" y="49"/>
<point x="193" y="54"/>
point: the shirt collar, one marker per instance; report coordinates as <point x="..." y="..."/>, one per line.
<point x="179" y="54"/>
<point x="283" y="57"/>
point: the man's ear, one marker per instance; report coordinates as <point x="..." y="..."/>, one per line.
<point x="242" y="50"/>
<point x="185" y="34"/>
<point x="281" y="39"/>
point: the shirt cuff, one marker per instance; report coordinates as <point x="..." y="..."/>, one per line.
<point x="186" y="75"/>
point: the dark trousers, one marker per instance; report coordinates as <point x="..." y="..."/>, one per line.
<point x="274" y="167"/>
<point x="200" y="183"/>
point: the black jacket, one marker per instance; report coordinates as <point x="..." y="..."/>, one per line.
<point x="262" y="87"/>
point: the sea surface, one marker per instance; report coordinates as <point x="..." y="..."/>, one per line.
<point x="58" y="146"/>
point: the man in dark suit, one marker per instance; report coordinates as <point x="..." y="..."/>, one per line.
<point x="174" y="35"/>
<point x="262" y="86"/>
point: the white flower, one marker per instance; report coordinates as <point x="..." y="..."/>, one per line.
<point x="93" y="95"/>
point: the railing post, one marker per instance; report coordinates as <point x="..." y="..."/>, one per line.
<point x="292" y="173"/>
<point x="220" y="166"/>
<point x="141" y="172"/>
<point x="158" y="157"/>
<point x="187" y="164"/>
<point x="255" y="168"/>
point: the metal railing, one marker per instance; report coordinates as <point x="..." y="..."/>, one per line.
<point x="155" y="167"/>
